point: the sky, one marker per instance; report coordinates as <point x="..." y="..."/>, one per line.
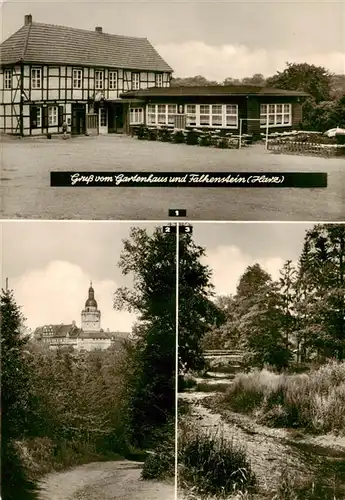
<point x="49" y="264"/>
<point x="216" y="39"/>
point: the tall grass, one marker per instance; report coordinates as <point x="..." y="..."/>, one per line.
<point x="314" y="401"/>
<point x="211" y="464"/>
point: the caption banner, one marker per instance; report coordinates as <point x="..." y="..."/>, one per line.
<point x="191" y="179"/>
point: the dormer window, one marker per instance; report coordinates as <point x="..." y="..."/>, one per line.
<point x="159" y="80"/>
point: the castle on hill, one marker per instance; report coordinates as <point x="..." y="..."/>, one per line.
<point x="88" y="337"/>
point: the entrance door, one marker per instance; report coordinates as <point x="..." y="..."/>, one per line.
<point x="78" y="119"/>
<point x="103" y="120"/>
<point x="119" y="118"/>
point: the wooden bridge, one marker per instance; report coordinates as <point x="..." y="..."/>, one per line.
<point x="224" y="353"/>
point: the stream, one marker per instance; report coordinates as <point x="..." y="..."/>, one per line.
<point x="269" y="450"/>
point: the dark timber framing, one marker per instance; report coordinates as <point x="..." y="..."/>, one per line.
<point x="24" y="110"/>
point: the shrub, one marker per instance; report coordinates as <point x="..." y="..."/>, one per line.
<point x="223" y="143"/>
<point x="141" y="132"/>
<point x="165" y="134"/>
<point x="205" y="139"/>
<point x="153" y="134"/>
<point x="212" y="464"/>
<point x="178" y="137"/>
<point x="192" y="137"/>
<point x="161" y="463"/>
<point x="186" y="382"/>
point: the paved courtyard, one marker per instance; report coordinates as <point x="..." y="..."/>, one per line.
<point x="26" y="193"/>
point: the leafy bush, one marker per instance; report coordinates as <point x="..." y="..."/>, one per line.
<point x="141" y="132"/>
<point x="178" y="137"/>
<point x="212" y="464"/>
<point x="160" y="464"/>
<point x="192" y="137"/>
<point x="153" y="134"/>
<point x="223" y="143"/>
<point x="206" y="139"/>
<point x="186" y="382"/>
<point x="165" y="134"/>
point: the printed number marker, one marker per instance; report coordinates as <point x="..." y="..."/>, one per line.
<point x="169" y="229"/>
<point x="177" y="212"/>
<point x="186" y="229"/>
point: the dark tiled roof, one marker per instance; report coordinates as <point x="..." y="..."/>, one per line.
<point x="57" y="331"/>
<point x="217" y="90"/>
<point x="48" y="43"/>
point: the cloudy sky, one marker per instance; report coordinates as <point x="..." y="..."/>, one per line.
<point x="216" y="39"/>
<point x="50" y="264"/>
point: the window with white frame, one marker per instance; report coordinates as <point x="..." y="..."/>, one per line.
<point x="197" y="115"/>
<point x="8" y="78"/>
<point x="39" y="117"/>
<point x="277" y="115"/>
<point x="36" y="78"/>
<point x="99" y="80"/>
<point x="77" y="76"/>
<point x="161" y="114"/>
<point x="191" y="115"/>
<point x="136" y="116"/>
<point x="159" y="80"/>
<point x="231" y="115"/>
<point x="151" y="114"/>
<point x="217" y="115"/>
<point x="52" y="116"/>
<point x="172" y="111"/>
<point x="204" y="118"/>
<point x="112" y="80"/>
<point x="135" y="81"/>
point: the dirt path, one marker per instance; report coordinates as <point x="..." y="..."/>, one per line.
<point x="118" y="480"/>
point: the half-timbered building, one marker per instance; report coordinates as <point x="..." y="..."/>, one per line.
<point x="54" y="75"/>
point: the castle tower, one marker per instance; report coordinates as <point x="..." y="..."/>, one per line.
<point x="90" y="315"/>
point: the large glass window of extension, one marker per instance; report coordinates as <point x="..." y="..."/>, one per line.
<point x="99" y="80"/>
<point x="36" y="78"/>
<point x="112" y="80"/>
<point x="8" y="79"/>
<point x="136" y="116"/>
<point x="212" y="115"/>
<point x="159" y="80"/>
<point x="277" y="115"/>
<point x="161" y="114"/>
<point x="77" y="78"/>
<point x="52" y="116"/>
<point x="135" y="81"/>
